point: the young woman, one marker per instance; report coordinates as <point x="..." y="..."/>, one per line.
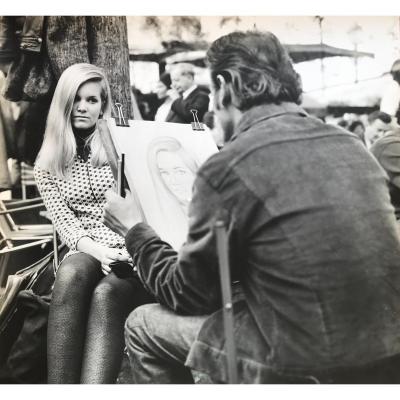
<point x="90" y="303"/>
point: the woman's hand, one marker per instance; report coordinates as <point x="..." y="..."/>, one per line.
<point x="107" y="255"/>
<point x="104" y="254"/>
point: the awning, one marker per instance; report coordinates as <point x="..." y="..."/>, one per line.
<point x="308" y="52"/>
<point x="298" y="53"/>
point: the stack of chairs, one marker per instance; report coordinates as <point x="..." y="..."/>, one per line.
<point x="22" y="244"/>
<point x="27" y="178"/>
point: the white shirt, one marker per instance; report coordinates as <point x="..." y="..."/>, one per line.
<point x="391" y="98"/>
<point x="163" y="110"/>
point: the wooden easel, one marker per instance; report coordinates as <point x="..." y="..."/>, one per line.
<point x="117" y="164"/>
<point x="225" y="277"/>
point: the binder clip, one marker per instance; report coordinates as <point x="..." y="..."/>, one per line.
<point x="121" y="119"/>
<point x="196" y="124"/>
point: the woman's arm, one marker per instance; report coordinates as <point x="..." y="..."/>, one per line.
<point x="104" y="254"/>
<point x="68" y="225"/>
<point x="65" y="221"/>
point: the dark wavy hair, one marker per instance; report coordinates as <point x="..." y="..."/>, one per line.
<point x="395" y="71"/>
<point x="258" y="67"/>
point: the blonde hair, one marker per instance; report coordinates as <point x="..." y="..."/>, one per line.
<point x="59" y="145"/>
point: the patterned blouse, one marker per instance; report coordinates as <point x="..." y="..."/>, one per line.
<point x="76" y="204"/>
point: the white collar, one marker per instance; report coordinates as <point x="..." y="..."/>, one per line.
<point x="186" y="93"/>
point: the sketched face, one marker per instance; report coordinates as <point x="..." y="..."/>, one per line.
<point x="175" y="174"/>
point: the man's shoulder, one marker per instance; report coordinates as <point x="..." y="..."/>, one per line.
<point x="197" y="92"/>
<point x="217" y="168"/>
<point x="390" y="140"/>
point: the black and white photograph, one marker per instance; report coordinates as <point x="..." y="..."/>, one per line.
<point x="199" y="199"/>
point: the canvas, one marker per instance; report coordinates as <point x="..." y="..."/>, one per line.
<point x="161" y="161"/>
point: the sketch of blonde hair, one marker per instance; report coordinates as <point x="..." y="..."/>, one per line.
<point x="59" y="146"/>
<point x="174" y="208"/>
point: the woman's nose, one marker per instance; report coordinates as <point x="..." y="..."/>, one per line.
<point x="81" y="106"/>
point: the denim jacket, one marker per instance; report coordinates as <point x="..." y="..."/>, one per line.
<point x="313" y="242"/>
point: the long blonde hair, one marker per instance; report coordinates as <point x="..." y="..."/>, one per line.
<point x="59" y="145"/>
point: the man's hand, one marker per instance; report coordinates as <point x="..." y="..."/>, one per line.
<point x="173" y="94"/>
<point x="120" y="214"/>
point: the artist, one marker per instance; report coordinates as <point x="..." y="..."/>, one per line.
<point x="312" y="238"/>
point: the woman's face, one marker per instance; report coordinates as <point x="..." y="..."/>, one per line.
<point x="161" y="90"/>
<point x="175" y="174"/>
<point x="87" y="105"/>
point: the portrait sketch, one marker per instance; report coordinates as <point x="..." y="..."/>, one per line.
<point x="161" y="161"/>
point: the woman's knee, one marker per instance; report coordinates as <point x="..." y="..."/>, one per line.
<point x="76" y="272"/>
<point x="104" y="293"/>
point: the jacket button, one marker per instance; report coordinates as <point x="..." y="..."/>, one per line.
<point x="39" y="40"/>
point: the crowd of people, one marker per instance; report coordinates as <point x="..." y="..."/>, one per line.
<point x="310" y="210"/>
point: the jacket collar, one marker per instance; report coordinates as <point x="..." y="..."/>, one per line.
<point x="189" y="91"/>
<point x="264" y="112"/>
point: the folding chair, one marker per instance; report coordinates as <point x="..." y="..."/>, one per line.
<point x="16" y="238"/>
<point x="27" y="178"/>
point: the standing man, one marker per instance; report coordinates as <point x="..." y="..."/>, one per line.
<point x="186" y="95"/>
<point x="387" y="151"/>
<point x="390" y="101"/>
<point x="312" y="239"/>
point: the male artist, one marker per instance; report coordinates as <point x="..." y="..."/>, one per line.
<point x="312" y="239"/>
<point x="186" y="95"/>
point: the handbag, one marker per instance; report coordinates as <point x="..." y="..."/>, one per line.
<point x="24" y="312"/>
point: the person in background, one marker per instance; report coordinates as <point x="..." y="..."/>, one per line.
<point x="90" y="302"/>
<point x="358" y="128"/>
<point x="390" y="101"/>
<point x="387" y="151"/>
<point x="378" y="124"/>
<point x="162" y="90"/>
<point x="312" y="241"/>
<point x="186" y="95"/>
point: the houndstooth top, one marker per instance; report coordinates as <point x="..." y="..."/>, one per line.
<point x="76" y="204"/>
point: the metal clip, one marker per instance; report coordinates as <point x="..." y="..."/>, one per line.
<point x="121" y="119"/>
<point x="196" y="124"/>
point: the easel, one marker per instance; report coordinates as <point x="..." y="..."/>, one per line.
<point x="225" y="278"/>
<point x="117" y="164"/>
<point x="117" y="167"/>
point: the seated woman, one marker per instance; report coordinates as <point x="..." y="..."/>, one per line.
<point x="90" y="303"/>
